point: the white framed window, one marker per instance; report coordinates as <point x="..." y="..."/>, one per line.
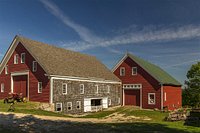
<point x="34" y="66"/>
<point x="22" y="57"/>
<point x="134" y="70"/>
<point x="97" y="89"/>
<point x="122" y="71"/>
<point x="6" y="69"/>
<point x="165" y="96"/>
<point x="108" y="88"/>
<point x="78" y="104"/>
<point x="69" y="105"/>
<point x="64" y="88"/>
<point x="2" y="87"/>
<point x="39" y="87"/>
<point x="119" y="100"/>
<point x="81" y="88"/>
<point x="109" y="102"/>
<point x="151" y="98"/>
<point x="58" y="107"/>
<point x="16" y="57"/>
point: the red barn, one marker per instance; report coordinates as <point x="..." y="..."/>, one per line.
<point x="66" y="81"/>
<point x="147" y="85"/>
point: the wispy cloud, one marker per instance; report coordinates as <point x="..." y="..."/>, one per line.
<point x="146" y="34"/>
<point x="176" y="55"/>
<point x="183" y="63"/>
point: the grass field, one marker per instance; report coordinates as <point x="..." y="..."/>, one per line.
<point x="156" y="124"/>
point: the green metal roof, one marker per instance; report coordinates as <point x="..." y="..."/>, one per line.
<point x="159" y="74"/>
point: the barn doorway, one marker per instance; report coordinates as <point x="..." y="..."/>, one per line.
<point x="20" y="85"/>
<point x="132" y="97"/>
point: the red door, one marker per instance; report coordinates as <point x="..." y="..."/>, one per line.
<point x="20" y="85"/>
<point x="132" y="97"/>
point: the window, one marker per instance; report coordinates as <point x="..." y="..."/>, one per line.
<point x="2" y="87"/>
<point x="108" y="88"/>
<point x="16" y="57"/>
<point x="6" y="69"/>
<point x="58" y="107"/>
<point x="151" y="98"/>
<point x="165" y="96"/>
<point x="39" y="87"/>
<point x="69" y="105"/>
<point x="97" y="89"/>
<point x="22" y="57"/>
<point x="96" y="102"/>
<point x="81" y="88"/>
<point x="64" y="88"/>
<point x="78" y="104"/>
<point x="34" y="67"/>
<point x="134" y="70"/>
<point x="122" y="71"/>
<point x="109" y="102"/>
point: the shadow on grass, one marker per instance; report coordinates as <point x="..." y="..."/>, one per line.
<point x="10" y="123"/>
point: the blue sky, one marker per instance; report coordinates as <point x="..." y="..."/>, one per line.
<point x="166" y="33"/>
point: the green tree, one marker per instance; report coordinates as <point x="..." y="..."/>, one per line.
<point x="191" y="94"/>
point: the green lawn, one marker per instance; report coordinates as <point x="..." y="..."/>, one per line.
<point x="156" y="124"/>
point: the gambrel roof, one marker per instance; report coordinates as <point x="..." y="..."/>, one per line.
<point x="155" y="71"/>
<point x="59" y="61"/>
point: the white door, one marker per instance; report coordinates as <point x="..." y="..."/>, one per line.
<point x="105" y="102"/>
<point x="87" y="104"/>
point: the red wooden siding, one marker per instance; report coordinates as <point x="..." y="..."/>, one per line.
<point x="173" y="97"/>
<point x="132" y="97"/>
<point x="149" y="84"/>
<point x="34" y="77"/>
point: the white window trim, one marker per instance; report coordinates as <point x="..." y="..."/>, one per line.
<point x="97" y="89"/>
<point x="2" y="88"/>
<point x="83" y="89"/>
<point x="16" y="59"/>
<point x="60" y="107"/>
<point x="165" y="96"/>
<point x="109" y="102"/>
<point x="149" y="98"/>
<point x="6" y="69"/>
<point x="132" y="71"/>
<point x="121" y="71"/>
<point x="79" y="103"/>
<point x="68" y="106"/>
<point x="65" y="88"/>
<point x="108" y="88"/>
<point x="24" y="57"/>
<point x="34" y="67"/>
<point x="39" y="87"/>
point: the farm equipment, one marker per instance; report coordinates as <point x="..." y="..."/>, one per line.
<point x="14" y="97"/>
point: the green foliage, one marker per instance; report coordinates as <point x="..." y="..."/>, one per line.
<point x="191" y="94"/>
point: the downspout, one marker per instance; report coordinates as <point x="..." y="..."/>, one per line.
<point x="161" y="96"/>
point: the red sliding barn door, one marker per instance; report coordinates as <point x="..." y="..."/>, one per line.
<point x="132" y="97"/>
<point x="20" y="85"/>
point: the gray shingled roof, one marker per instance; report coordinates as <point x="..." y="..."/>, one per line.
<point x="59" y="61"/>
<point x="159" y="74"/>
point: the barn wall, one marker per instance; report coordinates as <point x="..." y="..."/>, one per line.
<point x="34" y="77"/>
<point x="149" y="84"/>
<point x="173" y="97"/>
<point x="73" y="93"/>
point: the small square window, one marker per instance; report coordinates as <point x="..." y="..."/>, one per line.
<point x="39" y="87"/>
<point x="81" y="88"/>
<point x="165" y="96"/>
<point x="16" y="57"/>
<point x="22" y="57"/>
<point x="58" y="107"/>
<point x="69" y="105"/>
<point x="134" y="70"/>
<point x="2" y="87"/>
<point x="64" y="88"/>
<point x="6" y="69"/>
<point x="97" y="89"/>
<point x="78" y="104"/>
<point x="122" y="71"/>
<point x="34" y="66"/>
<point x="151" y="98"/>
